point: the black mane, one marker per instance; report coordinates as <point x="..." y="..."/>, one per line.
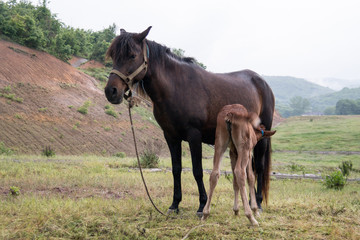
<point x="123" y="43"/>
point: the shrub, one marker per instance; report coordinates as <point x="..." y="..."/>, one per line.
<point x="84" y="108"/>
<point x="149" y="159"/>
<point x="346" y="167"/>
<point x="4" y="150"/>
<point x="120" y="155"/>
<point x="335" y="180"/>
<point x="297" y="168"/>
<point x="14" y="191"/>
<point x="48" y="152"/>
<point x="110" y="111"/>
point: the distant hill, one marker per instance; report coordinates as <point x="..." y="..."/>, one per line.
<point x="285" y="88"/>
<point x="320" y="98"/>
<point x="320" y="103"/>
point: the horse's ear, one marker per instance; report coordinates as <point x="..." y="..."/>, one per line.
<point x="269" y="133"/>
<point x="122" y="31"/>
<point x="229" y="117"/>
<point x="262" y="133"/>
<point x="141" y="36"/>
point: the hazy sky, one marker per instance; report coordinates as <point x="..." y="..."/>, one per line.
<point x="312" y="39"/>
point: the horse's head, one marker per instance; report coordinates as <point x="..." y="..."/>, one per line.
<point x="129" y="54"/>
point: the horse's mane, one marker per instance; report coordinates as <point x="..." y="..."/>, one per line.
<point x="157" y="54"/>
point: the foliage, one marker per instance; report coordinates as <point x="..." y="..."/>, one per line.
<point x="110" y="111"/>
<point x="84" y="108"/>
<point x="347" y="107"/>
<point x="335" y="180"/>
<point x="48" y="152"/>
<point x="150" y="156"/>
<point x="4" y="150"/>
<point x="345" y="168"/>
<point x="298" y="106"/>
<point x="36" y="27"/>
<point x="120" y="155"/>
<point x="181" y="53"/>
<point x="14" y="191"/>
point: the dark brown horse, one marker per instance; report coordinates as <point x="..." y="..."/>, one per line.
<point x="186" y="101"/>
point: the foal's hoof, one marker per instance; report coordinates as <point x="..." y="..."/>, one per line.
<point x="205" y="216"/>
<point x="236" y="212"/>
<point x="199" y="214"/>
<point x="173" y="211"/>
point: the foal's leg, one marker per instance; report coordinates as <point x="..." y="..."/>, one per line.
<point x="233" y="157"/>
<point x="221" y="142"/>
<point x="194" y="139"/>
<point x="240" y="173"/>
<point x="251" y="182"/>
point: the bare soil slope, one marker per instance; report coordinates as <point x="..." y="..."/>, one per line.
<point x="39" y="99"/>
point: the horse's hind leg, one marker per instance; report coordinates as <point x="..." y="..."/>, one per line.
<point x="251" y="182"/>
<point x="221" y="142"/>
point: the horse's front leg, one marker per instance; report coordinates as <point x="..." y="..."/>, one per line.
<point x="194" y="139"/>
<point x="175" y="151"/>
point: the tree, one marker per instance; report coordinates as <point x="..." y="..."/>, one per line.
<point x="347" y="107"/>
<point x="181" y="53"/>
<point x="299" y="105"/>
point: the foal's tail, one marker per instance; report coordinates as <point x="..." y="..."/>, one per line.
<point x="267" y="169"/>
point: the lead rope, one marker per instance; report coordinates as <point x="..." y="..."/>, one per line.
<point x="138" y="160"/>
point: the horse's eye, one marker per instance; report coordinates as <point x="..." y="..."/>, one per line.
<point x="132" y="56"/>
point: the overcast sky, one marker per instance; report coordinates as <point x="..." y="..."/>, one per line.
<point x="312" y="39"/>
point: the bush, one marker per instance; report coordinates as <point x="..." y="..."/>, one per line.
<point x="346" y="167"/>
<point x="14" y="191"/>
<point x="84" y="108"/>
<point x="335" y="180"/>
<point x="149" y="158"/>
<point x="48" y="152"/>
<point x="120" y="155"/>
<point x="4" y="150"/>
<point x="110" y="111"/>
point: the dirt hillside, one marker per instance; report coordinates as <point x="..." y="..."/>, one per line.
<point x="39" y="99"/>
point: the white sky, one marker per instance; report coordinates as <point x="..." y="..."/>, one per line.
<point x="312" y="39"/>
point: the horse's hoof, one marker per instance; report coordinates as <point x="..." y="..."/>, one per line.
<point x="172" y="211"/>
<point x="199" y="214"/>
<point x="205" y="216"/>
<point x="236" y="212"/>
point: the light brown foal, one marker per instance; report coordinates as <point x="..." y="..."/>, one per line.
<point x="241" y="130"/>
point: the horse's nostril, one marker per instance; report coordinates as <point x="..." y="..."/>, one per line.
<point x="114" y="93"/>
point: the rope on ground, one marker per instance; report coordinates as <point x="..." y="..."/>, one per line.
<point x="198" y="226"/>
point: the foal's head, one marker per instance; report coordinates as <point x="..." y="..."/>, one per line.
<point x="246" y="127"/>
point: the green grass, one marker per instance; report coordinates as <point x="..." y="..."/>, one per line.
<point x="96" y="197"/>
<point x="92" y="197"/>
<point x="325" y="133"/>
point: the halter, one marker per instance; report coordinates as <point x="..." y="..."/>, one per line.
<point x="129" y="79"/>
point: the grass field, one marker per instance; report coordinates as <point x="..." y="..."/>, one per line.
<point x="90" y="197"/>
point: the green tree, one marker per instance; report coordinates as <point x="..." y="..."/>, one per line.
<point x="347" y="107"/>
<point x="181" y="53"/>
<point x="299" y="105"/>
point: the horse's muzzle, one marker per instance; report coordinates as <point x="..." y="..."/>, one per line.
<point x="112" y="95"/>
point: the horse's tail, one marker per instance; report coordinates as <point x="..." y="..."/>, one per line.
<point x="267" y="170"/>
